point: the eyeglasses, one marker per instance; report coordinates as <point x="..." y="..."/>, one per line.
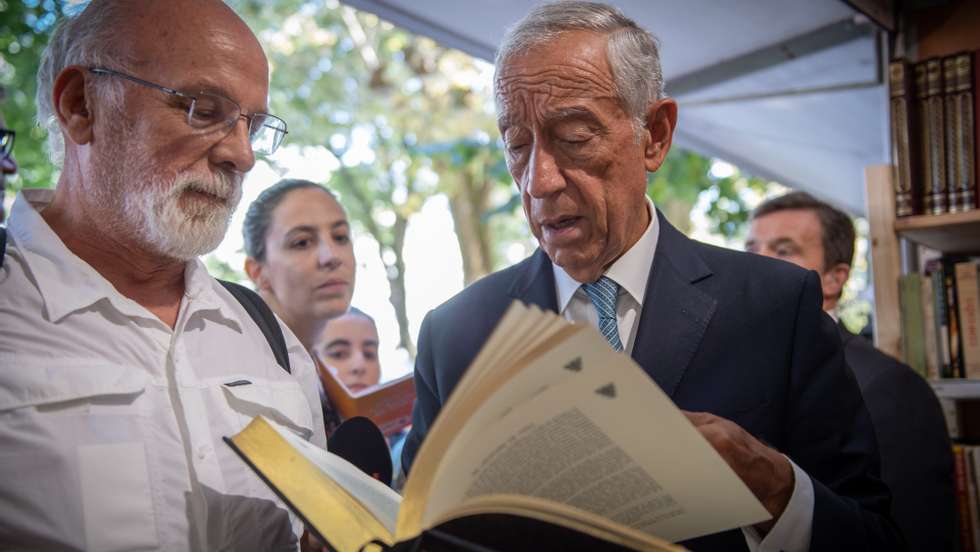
<point x="6" y="143"/>
<point x="207" y="111"/>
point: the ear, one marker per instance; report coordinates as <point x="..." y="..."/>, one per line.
<point x="661" y="119"/>
<point x="72" y="106"/>
<point x="833" y="280"/>
<point x="254" y="270"/>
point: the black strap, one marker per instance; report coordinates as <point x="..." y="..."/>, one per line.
<point x="254" y="305"/>
<point x="262" y="316"/>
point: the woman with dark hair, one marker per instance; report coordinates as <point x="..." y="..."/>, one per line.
<point x="301" y="259"/>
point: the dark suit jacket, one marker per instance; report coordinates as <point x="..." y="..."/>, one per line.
<point x="916" y="455"/>
<point x="734" y="334"/>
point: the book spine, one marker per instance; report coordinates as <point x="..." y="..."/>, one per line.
<point x="969" y="304"/>
<point x="952" y="310"/>
<point x="942" y="322"/>
<point x="962" y="499"/>
<point x="972" y="487"/>
<point x="929" y="329"/>
<point x="913" y="335"/>
<point x="933" y="123"/>
<point x="975" y="107"/>
<point x="958" y="105"/>
<point x="902" y="137"/>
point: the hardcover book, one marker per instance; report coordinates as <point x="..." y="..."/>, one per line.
<point x="928" y="82"/>
<point x="544" y="442"/>
<point x="388" y="404"/>
<point x="959" y="128"/>
<point x="904" y="133"/>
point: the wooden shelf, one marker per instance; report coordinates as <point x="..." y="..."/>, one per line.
<point x="948" y="233"/>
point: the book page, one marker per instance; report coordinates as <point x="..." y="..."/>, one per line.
<point x="379" y="499"/>
<point x="602" y="438"/>
<point x="521" y="326"/>
<point x="319" y="487"/>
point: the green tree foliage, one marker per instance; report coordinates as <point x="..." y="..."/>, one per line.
<point x="25" y="26"/>
<point x="405" y="118"/>
<point x="685" y="175"/>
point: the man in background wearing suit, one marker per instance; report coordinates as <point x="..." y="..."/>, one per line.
<point x="916" y="457"/>
<point x="737" y="341"/>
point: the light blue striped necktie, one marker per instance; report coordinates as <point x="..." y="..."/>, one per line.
<point x="603" y="293"/>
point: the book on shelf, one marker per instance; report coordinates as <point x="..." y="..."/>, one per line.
<point x="948" y="265"/>
<point x="388" y="404"/>
<point x="934" y="112"/>
<point x="930" y="346"/>
<point x="933" y="136"/>
<point x="941" y="313"/>
<point x="965" y="469"/>
<point x="968" y="288"/>
<point x="530" y="448"/>
<point x="904" y="137"/>
<point x="913" y="323"/>
<point x="958" y="106"/>
<point x="972" y="457"/>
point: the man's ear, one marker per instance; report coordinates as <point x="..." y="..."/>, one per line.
<point x="72" y="106"/>
<point x="833" y="280"/>
<point x="254" y="270"/>
<point x="661" y="119"/>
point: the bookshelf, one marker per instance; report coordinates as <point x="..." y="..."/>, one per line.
<point x="933" y="32"/>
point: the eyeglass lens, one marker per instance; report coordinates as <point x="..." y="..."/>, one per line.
<point x="265" y="132"/>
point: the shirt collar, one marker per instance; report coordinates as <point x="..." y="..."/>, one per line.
<point x="631" y="270"/>
<point x="66" y="282"/>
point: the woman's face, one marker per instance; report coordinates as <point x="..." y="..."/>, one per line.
<point x="309" y="263"/>
<point x="349" y="349"/>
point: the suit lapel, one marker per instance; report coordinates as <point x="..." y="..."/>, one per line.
<point x="675" y="312"/>
<point x="535" y="284"/>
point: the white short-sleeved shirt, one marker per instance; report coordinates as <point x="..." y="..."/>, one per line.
<point x="111" y="422"/>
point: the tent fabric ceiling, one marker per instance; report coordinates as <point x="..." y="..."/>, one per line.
<point x="810" y="120"/>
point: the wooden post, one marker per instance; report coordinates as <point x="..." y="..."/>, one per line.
<point x="885" y="258"/>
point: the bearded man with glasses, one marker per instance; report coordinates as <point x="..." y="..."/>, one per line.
<point x="122" y="362"/>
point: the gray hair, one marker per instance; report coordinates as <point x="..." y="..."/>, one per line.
<point x="88" y="39"/>
<point x="633" y="53"/>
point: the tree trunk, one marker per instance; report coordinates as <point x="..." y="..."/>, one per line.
<point x="467" y="206"/>
<point x="396" y="280"/>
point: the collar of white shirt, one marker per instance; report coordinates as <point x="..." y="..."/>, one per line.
<point x="66" y="282"/>
<point x="631" y="270"/>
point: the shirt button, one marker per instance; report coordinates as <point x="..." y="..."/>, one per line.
<point x="202" y="452"/>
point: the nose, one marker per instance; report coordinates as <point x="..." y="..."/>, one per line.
<point x="357" y="367"/>
<point x="234" y="151"/>
<point x="544" y="177"/>
<point x="325" y="257"/>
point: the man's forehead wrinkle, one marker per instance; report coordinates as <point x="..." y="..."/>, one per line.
<point x="558" y="79"/>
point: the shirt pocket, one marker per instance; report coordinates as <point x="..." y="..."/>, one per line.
<point x="75" y="427"/>
<point x="281" y="401"/>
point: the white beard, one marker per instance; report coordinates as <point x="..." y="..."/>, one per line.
<point x="188" y="231"/>
<point x="128" y="183"/>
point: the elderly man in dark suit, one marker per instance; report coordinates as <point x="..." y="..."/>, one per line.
<point x="737" y="341"/>
<point x="916" y="457"/>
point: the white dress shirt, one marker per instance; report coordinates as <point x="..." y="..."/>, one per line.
<point x="792" y="531"/>
<point x="111" y="422"/>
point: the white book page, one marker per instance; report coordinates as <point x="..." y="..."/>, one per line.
<point x="604" y="439"/>
<point x="374" y="495"/>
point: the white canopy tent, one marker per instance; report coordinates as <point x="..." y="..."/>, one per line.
<point x="789" y="90"/>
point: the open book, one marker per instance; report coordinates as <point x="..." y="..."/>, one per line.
<point x="388" y="404"/>
<point x="550" y="431"/>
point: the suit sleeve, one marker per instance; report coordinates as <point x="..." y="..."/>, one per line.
<point x="830" y="436"/>
<point x="427" y="403"/>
